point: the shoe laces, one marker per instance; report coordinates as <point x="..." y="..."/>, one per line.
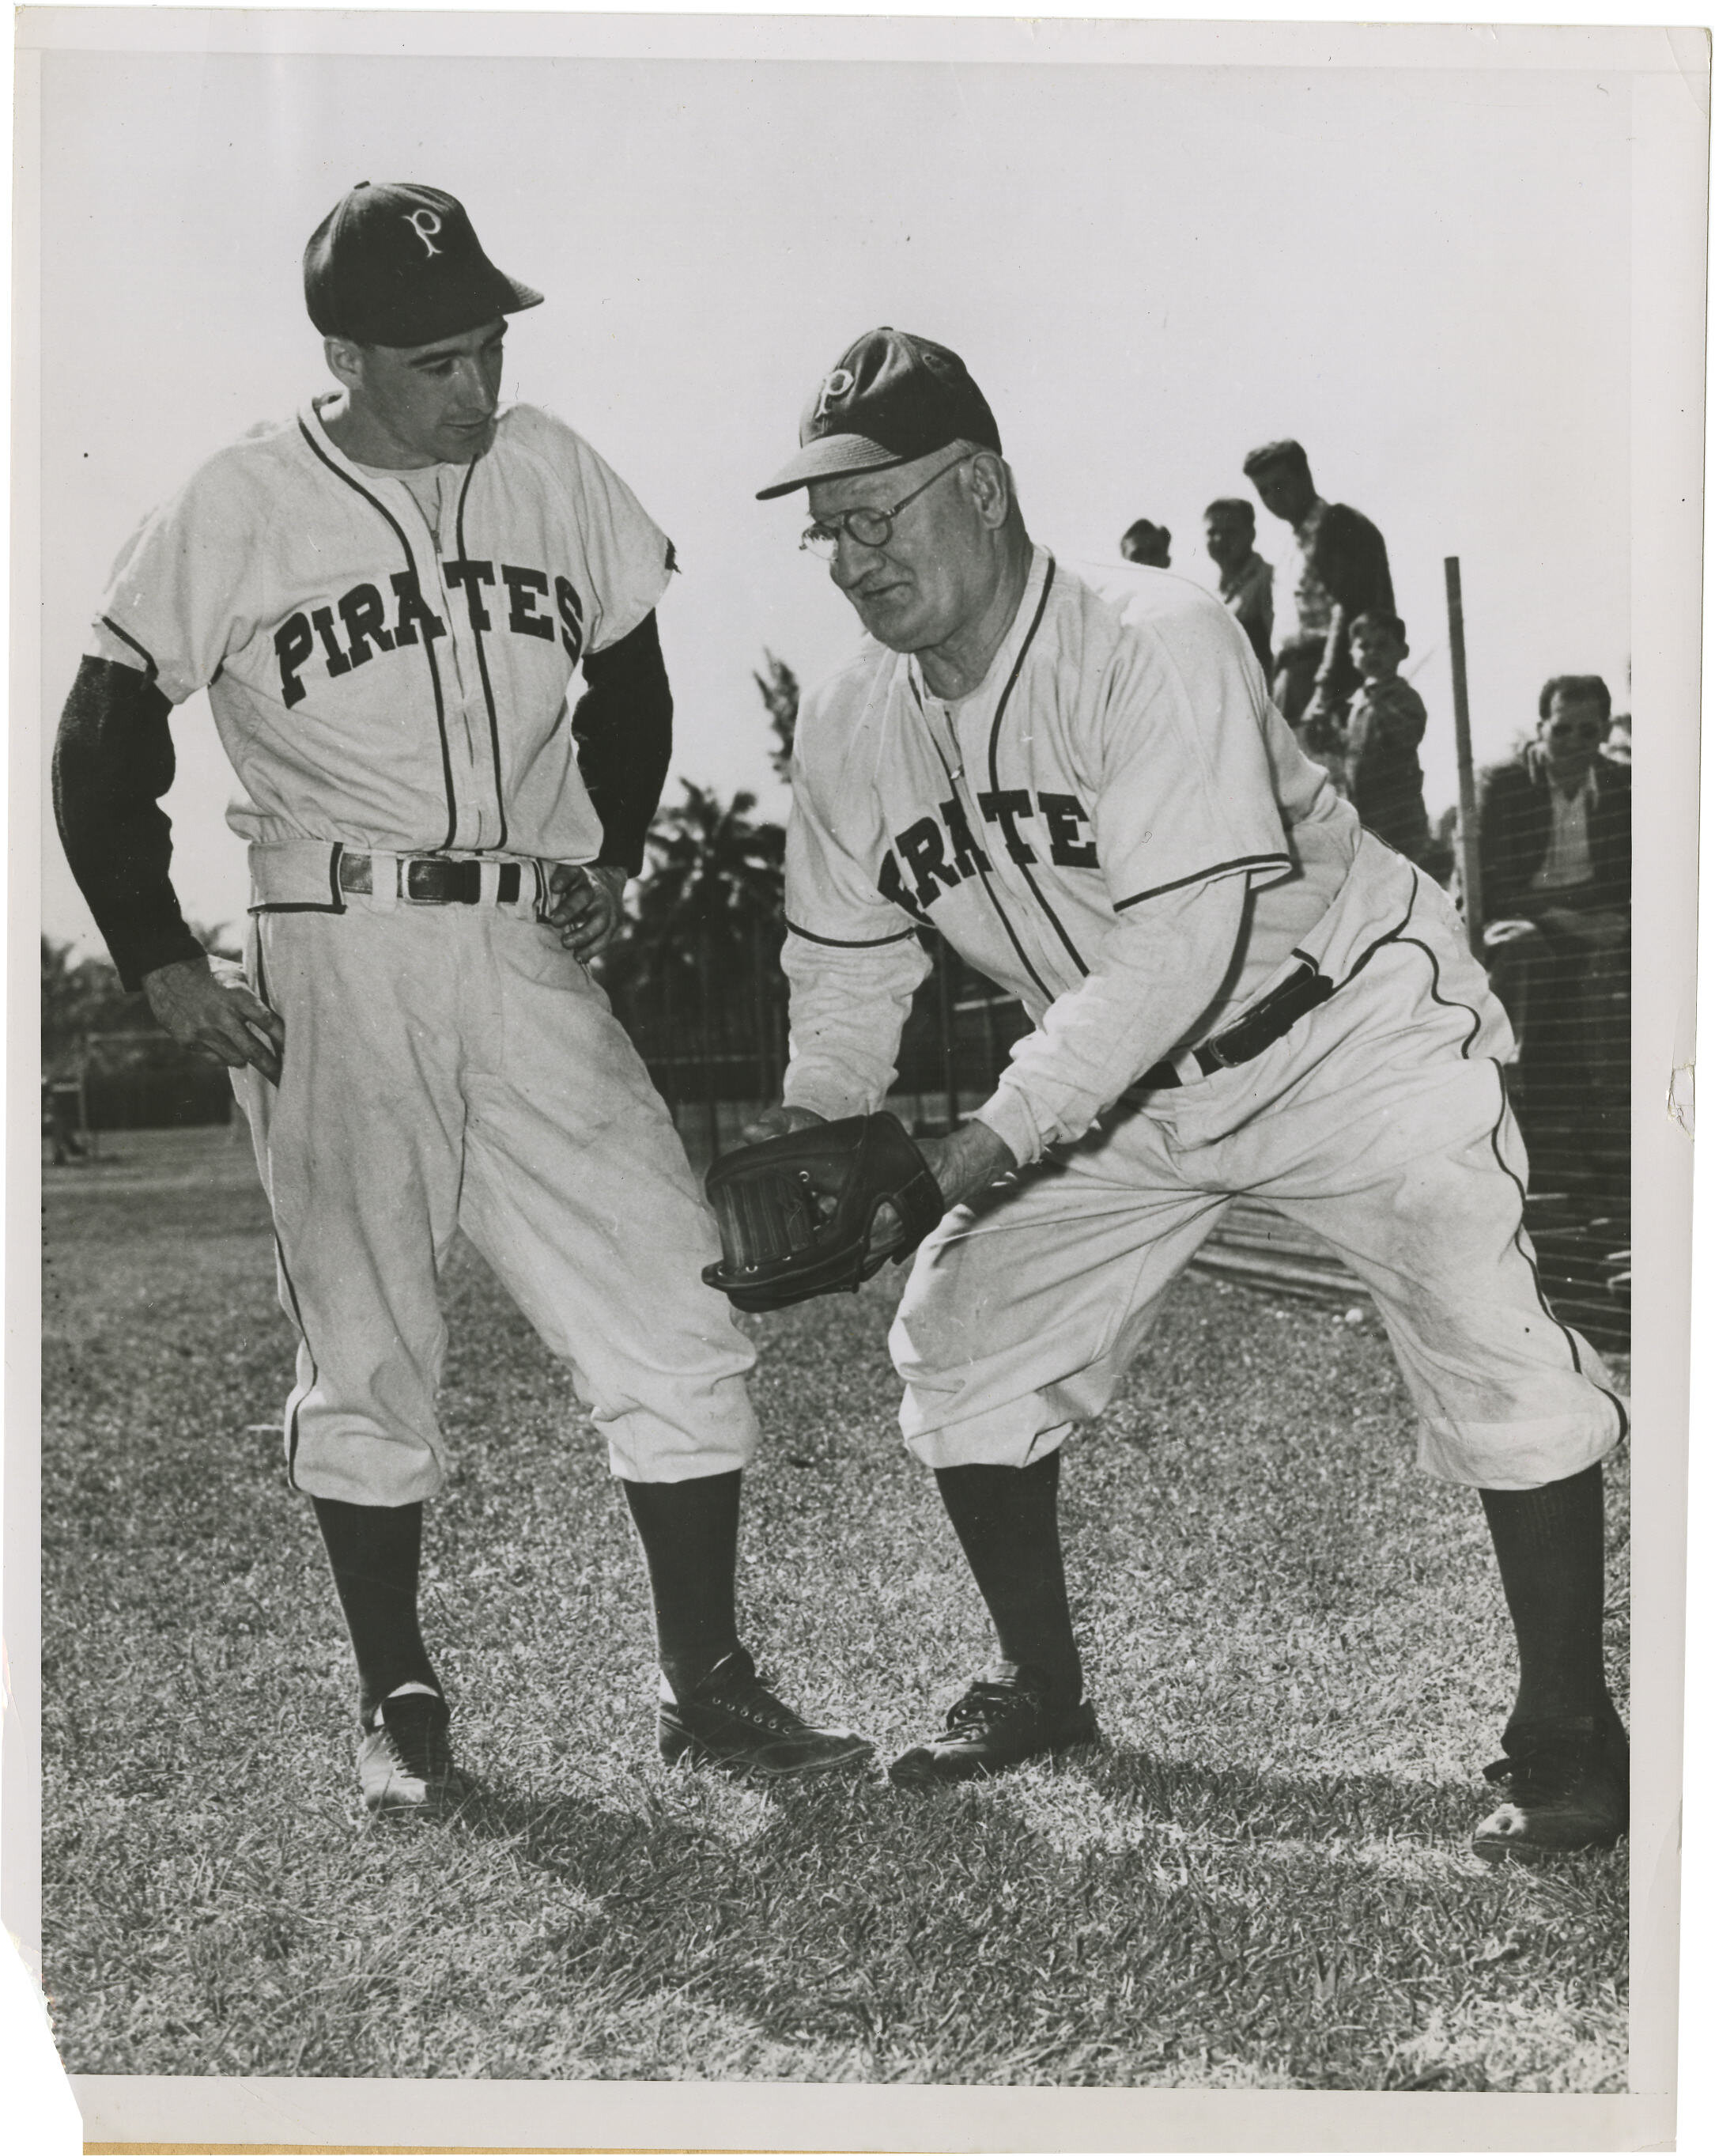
<point x="990" y="1701"/>
<point x="734" y="1687"/>
<point x="416" y="1726"/>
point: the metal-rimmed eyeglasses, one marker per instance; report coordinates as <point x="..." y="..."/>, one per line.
<point x="865" y="527"/>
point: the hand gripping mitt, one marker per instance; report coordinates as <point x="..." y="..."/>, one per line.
<point x="797" y="1214"/>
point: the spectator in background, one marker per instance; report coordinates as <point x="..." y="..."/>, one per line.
<point x="1247" y="580"/>
<point x="1149" y="544"/>
<point x="1383" y="729"/>
<point x="1554" y="843"/>
<point x="1337" y="569"/>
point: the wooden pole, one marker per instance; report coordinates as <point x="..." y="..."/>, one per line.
<point x="1470" y="870"/>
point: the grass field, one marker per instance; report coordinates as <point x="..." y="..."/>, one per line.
<point x="1295" y="1643"/>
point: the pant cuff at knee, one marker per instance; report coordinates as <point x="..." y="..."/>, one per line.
<point x="361" y="1479"/>
<point x="1516" y="1455"/>
<point x="642" y="1449"/>
<point x="1002" y="1439"/>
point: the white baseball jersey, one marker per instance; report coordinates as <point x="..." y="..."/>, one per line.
<point x="377" y="679"/>
<point x="390" y="659"/>
<point x="1121" y="749"/>
<point x="1118" y="818"/>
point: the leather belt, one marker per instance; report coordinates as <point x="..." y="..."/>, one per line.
<point x="1260" y="1028"/>
<point x="431" y="879"/>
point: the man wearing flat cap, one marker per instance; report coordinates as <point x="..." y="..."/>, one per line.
<point x="388" y="599"/>
<point x="1077" y="778"/>
<point x="1336" y="570"/>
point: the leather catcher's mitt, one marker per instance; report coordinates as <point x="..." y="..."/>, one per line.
<point x="797" y="1214"/>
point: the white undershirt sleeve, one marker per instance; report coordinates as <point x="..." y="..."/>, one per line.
<point x="1161" y="967"/>
<point x="849" y="1006"/>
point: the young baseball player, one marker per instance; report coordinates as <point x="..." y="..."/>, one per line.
<point x="388" y="598"/>
<point x="1078" y="779"/>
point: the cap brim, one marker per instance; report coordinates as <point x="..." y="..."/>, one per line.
<point x="832" y="456"/>
<point x="523" y="295"/>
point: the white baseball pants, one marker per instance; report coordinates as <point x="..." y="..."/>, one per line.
<point x="452" y="1067"/>
<point x="1380" y="1122"/>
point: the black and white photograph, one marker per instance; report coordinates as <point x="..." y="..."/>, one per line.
<point x="864" y="1084"/>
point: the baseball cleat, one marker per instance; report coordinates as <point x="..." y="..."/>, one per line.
<point x="1570" y="1789"/>
<point x="1006" y="1718"/>
<point x="732" y="1719"/>
<point x="405" y="1763"/>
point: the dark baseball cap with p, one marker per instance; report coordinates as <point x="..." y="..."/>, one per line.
<point x="891" y="399"/>
<point x="399" y="264"/>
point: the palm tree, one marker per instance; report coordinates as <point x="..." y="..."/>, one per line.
<point x="779" y="690"/>
<point x="713" y="880"/>
<point x="696" y="977"/>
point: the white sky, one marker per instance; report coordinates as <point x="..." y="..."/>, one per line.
<point x="1422" y="274"/>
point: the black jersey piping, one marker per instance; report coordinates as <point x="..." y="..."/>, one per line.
<point x="1204" y="875"/>
<point x="481" y="656"/>
<point x="848" y="942"/>
<point x="154" y="671"/>
<point x="1566" y="1332"/>
<point x="1446" y="1002"/>
<point x="290" y="1432"/>
<point x="1452" y="1002"/>
<point x="428" y="642"/>
<point x="1023" y="867"/>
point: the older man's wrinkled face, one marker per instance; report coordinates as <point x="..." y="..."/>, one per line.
<point x="936" y="569"/>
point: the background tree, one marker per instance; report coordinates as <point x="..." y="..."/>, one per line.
<point x="779" y="690"/>
<point x="134" y="1073"/>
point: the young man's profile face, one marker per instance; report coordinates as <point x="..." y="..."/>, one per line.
<point x="1284" y="490"/>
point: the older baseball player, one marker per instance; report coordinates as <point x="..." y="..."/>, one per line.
<point x="1078" y="780"/>
<point x="388" y="597"/>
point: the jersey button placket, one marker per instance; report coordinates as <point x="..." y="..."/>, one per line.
<point x="1011" y="889"/>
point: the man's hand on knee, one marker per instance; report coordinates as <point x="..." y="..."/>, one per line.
<point x="217" y="1013"/>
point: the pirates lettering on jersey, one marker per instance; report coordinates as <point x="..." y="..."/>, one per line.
<point x="350" y="631"/>
<point x="937" y="853"/>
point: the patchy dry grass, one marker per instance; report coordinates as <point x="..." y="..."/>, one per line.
<point x="1295" y="1645"/>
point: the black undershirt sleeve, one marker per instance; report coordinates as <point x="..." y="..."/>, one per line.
<point x="623" y="729"/>
<point x="112" y="761"/>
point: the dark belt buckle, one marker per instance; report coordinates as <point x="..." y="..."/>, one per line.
<point x="430" y="882"/>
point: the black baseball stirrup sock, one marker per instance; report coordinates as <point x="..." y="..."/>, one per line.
<point x="375" y="1552"/>
<point x="690" y="1532"/>
<point x="1548" y="1545"/>
<point x="1007" y="1523"/>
